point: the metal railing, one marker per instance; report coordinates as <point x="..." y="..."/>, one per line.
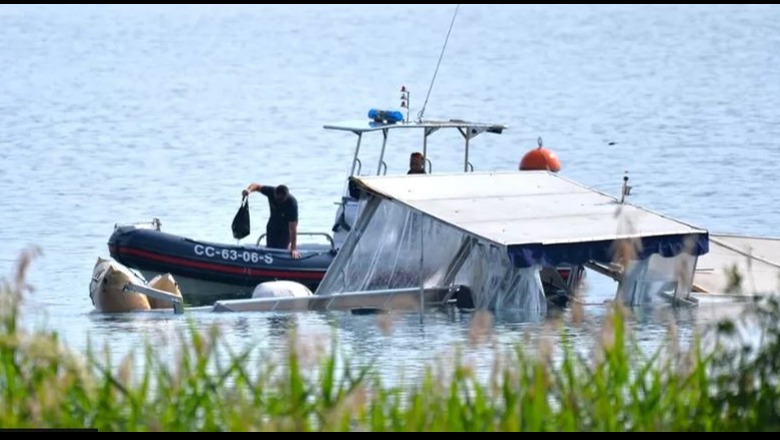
<point x="323" y="234"/>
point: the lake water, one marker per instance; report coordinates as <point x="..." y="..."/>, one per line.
<point x="123" y="113"/>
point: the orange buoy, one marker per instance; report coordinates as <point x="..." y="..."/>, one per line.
<point x="540" y="159"/>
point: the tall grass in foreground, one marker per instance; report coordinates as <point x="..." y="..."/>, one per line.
<point x="43" y="384"/>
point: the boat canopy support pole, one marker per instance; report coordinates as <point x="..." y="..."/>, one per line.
<point x="355" y="160"/>
<point x="382" y="154"/>
<point x="422" y="267"/>
<point x="425" y="151"/>
<point x="470" y="133"/>
<point x="467" y="164"/>
<point x="178" y="304"/>
<point x="428" y="131"/>
<point x="467" y="136"/>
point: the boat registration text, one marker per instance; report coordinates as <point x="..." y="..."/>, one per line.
<point x="233" y="255"/>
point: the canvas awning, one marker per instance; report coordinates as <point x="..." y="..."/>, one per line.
<point x="541" y="218"/>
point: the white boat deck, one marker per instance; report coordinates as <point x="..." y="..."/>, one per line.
<point x="757" y="259"/>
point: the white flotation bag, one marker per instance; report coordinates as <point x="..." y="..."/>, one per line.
<point x="106" y="288"/>
<point x="166" y="283"/>
<point x="280" y="289"/>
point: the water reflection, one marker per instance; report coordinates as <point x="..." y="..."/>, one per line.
<point x="280" y="325"/>
<point x="399" y="345"/>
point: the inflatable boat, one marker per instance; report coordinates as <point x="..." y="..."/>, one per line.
<point x="207" y="272"/>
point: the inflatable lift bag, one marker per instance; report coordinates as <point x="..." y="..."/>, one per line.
<point x="241" y="220"/>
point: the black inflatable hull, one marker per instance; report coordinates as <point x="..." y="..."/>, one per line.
<point x="207" y="272"/>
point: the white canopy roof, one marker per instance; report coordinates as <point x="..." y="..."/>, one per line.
<point x="367" y="125"/>
<point x="531" y="208"/>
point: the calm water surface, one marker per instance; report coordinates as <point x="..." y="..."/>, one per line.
<point x="118" y="114"/>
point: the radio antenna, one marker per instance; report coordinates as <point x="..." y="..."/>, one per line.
<point x="422" y="111"/>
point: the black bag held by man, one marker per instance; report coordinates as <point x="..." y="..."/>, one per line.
<point x="241" y="220"/>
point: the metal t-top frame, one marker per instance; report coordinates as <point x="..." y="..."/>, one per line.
<point x="469" y="130"/>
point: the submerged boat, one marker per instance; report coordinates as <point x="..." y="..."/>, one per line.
<point x="208" y="271"/>
<point x="486" y="239"/>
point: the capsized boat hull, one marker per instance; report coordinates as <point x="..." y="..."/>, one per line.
<point x="108" y="294"/>
<point x="166" y="283"/>
<point x="106" y="288"/>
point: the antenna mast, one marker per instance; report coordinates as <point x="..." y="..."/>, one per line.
<point x="422" y="111"/>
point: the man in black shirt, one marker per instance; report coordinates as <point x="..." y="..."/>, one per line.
<point x="282" y="228"/>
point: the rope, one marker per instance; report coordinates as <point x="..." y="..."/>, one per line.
<point x="422" y="111"/>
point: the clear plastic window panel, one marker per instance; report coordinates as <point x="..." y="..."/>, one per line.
<point x="387" y="256"/>
<point x="496" y="284"/>
<point x="388" y="253"/>
<point x="646" y="280"/>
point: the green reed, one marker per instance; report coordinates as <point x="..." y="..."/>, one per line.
<point x="728" y="387"/>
